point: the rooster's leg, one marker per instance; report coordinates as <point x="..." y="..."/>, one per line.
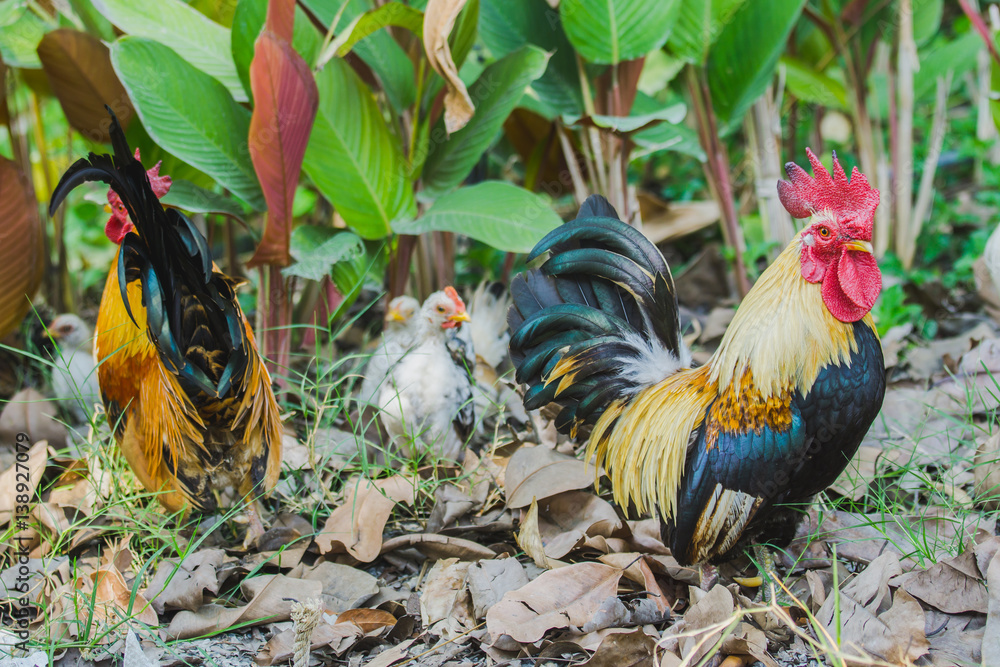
<point x="255" y="529"/>
<point x="766" y="575"/>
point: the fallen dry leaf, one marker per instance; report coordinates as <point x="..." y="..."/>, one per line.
<point x="490" y="580"/>
<point x="344" y="587"/>
<point x="566" y="598"/>
<point x="356" y="526"/>
<point x="183" y="585"/>
<point x="437" y="547"/>
<point x="625" y="649"/>
<point x="112" y="598"/>
<point x="637" y="569"/>
<point x="953" y="585"/>
<point x="567" y="519"/>
<point x="539" y="472"/>
<point x="38" y="457"/>
<point x="271" y="597"/>
<point x="29" y="412"/>
<point x="871" y="622"/>
<point x="714" y="608"/>
<point x="339" y="637"/>
<point x="445" y="605"/>
<point x="439" y="19"/>
<point x="368" y="620"/>
<point x="991" y="634"/>
<point x="530" y="540"/>
<point x="987" y="472"/>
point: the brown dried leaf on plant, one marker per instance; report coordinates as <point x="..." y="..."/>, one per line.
<point x="355" y="527"/>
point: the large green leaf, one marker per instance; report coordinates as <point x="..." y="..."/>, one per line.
<point x="353" y="158"/>
<point x="926" y="19"/>
<point x="19" y="40"/>
<point x="671" y="113"/>
<point x="499" y="214"/>
<point x="698" y="26"/>
<point x="507" y="25"/>
<point x="247" y="23"/>
<point x="610" y="31"/>
<point x="192" y="35"/>
<point x="390" y="14"/>
<point x="188" y="113"/>
<point x="379" y="50"/>
<point x="957" y="55"/>
<point x="189" y="197"/>
<point x="495" y="94"/>
<point x="317" y="249"/>
<point x="744" y="57"/>
<point x="811" y="86"/>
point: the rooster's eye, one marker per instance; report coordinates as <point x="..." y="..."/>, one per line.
<point x="824" y="232"/>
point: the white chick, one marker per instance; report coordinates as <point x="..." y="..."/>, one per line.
<point x="426" y="405"/>
<point x="74" y="374"/>
<point x="400" y="331"/>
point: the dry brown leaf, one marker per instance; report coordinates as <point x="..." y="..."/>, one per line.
<point x="529" y="539"/>
<point x="356" y="526"/>
<point x="490" y="580"/>
<point x="539" y="472"/>
<point x="711" y="608"/>
<point x="625" y="649"/>
<point x="344" y="587"/>
<point x="636" y="569"/>
<point x="112" y="598"/>
<point x="339" y="638"/>
<point x="566" y="519"/>
<point x="991" y="634"/>
<point x="391" y="656"/>
<point x="439" y="19"/>
<point x="445" y="605"/>
<point x="987" y="472"/>
<point x="870" y="623"/>
<point x="953" y="585"/>
<point x="183" y="585"/>
<point x="437" y="547"/>
<point x="566" y="598"/>
<point x="369" y="620"/>
<point x="271" y="598"/>
<point x="38" y="457"/>
<point x="29" y="412"/>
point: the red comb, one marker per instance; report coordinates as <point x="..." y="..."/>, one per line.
<point x="854" y="201"/>
<point x="455" y="298"/>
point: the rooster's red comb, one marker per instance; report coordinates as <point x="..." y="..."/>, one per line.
<point x="854" y="201"/>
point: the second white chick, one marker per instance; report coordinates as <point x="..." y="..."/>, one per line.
<point x="74" y="375"/>
<point x="399" y="334"/>
<point x="426" y="404"/>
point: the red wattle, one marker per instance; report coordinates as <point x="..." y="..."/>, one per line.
<point x="851" y="286"/>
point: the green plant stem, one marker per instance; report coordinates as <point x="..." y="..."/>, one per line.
<point x="59" y="289"/>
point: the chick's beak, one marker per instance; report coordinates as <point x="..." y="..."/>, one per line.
<point x="395" y="315"/>
<point x="857" y="245"/>
<point x="461" y="316"/>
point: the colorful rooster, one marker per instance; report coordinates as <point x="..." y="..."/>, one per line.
<point x="731" y="451"/>
<point x="182" y="383"/>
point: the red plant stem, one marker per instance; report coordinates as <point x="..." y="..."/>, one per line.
<point x="276" y="341"/>
<point x="980" y="25"/>
<point x="718" y="171"/>
<point x="399" y="264"/>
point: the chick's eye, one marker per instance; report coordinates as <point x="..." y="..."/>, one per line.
<point x="824" y="232"/>
<point x="440" y="309"/>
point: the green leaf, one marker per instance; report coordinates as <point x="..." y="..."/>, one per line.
<point x="247" y="24"/>
<point x="957" y="55"/>
<point x="379" y="50"/>
<point x="610" y="31"/>
<point x="353" y="159"/>
<point x="19" y="41"/>
<point x="811" y="86"/>
<point x="926" y="19"/>
<point x="672" y="113"/>
<point x="390" y="14"/>
<point x="189" y="197"/>
<point x="667" y="136"/>
<point x="495" y="94"/>
<point x="502" y="215"/>
<point x="317" y="249"/>
<point x="507" y="25"/>
<point x="195" y="38"/>
<point x="189" y="113"/>
<point x="698" y="26"/>
<point x="744" y="57"/>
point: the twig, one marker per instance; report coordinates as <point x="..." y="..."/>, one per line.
<point x="579" y="184"/>
<point x="906" y="64"/>
<point x="925" y="194"/>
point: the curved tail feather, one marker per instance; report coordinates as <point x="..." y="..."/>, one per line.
<point x="597" y="321"/>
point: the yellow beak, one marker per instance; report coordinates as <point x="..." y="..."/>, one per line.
<point x="858" y="245"/>
<point x="460" y="317"/>
<point x="396" y="316"/>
